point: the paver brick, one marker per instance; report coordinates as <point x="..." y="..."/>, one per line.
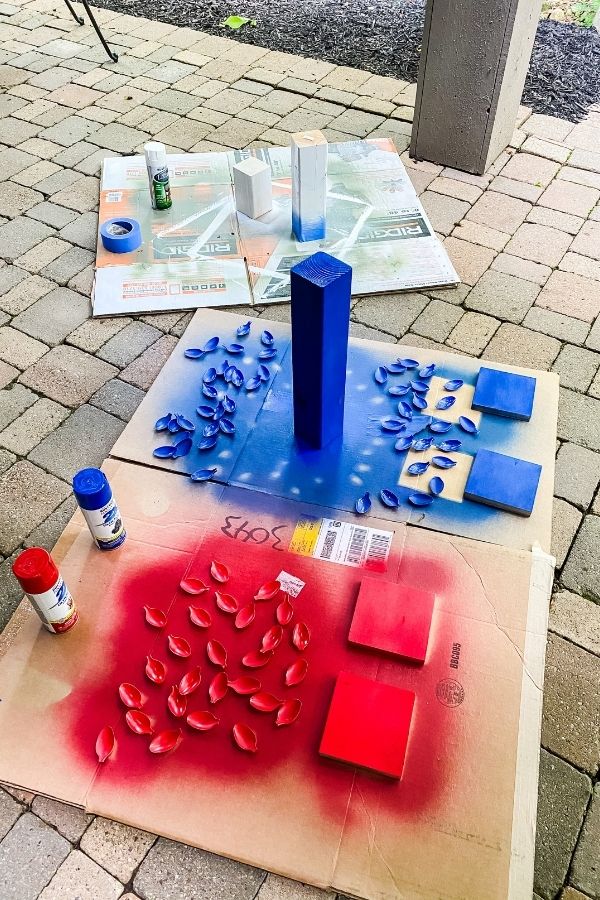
<point x="53" y="316"/>
<point x="20" y="235"/>
<point x="576" y="619"/>
<point x="74" y="95"/>
<point x="565" y="522"/>
<point x="15" y="131"/>
<point x="129" y="343"/>
<point x="48" y="532"/>
<point x="29" y="855"/>
<point x="587" y="241"/>
<point x="531" y="169"/>
<point x="22" y="293"/>
<point x="548" y="128"/>
<point x="481" y="234"/>
<point x="563" y="796"/>
<point x="571" y="717"/>
<point x="579" y="419"/>
<point x="577" y="474"/>
<point x="39" y="257"/>
<point x="19" y="349"/>
<point x="572" y="295"/>
<point x="353" y="121"/>
<point x="539" y="243"/>
<point x="275" y="887"/>
<point x="519" y="346"/>
<point x="444" y="212"/>
<point x="81" y="196"/>
<point x="585" y="873"/>
<point x="118" y="137"/>
<point x="503" y="296"/>
<point x="582" y="569"/>
<point x="118" y="398"/>
<point x="576" y="367"/>
<point x="15" y="199"/>
<point x="36" y="173"/>
<point x="581" y="265"/>
<point x="69" y="131"/>
<point x="500" y="211"/>
<point x="580" y="176"/>
<point x="142" y="371"/>
<point x="27" y="496"/>
<point x="174" y="871"/>
<point x="68" y="820"/>
<point x="547" y="149"/>
<point x="585" y="159"/>
<point x="470" y="260"/>
<point x="518" y="189"/>
<point x="58" y="181"/>
<point x="117" y="848"/>
<point x="10" y="811"/>
<point x="473" y="333"/>
<point x="393" y="317"/>
<point x="69" y="264"/>
<point x="24" y="433"/>
<point x="437" y="320"/>
<point x="171" y="101"/>
<point x="570" y="198"/>
<point x="81" y="878"/>
<point x="85" y="439"/>
<point x="14" y="401"/>
<point x="556" y="325"/>
<point x="541" y="215"/>
<point x="83" y="231"/>
<point x="462" y="190"/>
<point x="183" y="133"/>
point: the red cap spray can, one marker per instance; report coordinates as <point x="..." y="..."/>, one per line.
<point x="42" y="582"/>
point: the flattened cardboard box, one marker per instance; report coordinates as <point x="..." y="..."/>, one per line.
<point x="439" y="831"/>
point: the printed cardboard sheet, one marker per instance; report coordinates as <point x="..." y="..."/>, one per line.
<point x="476" y="718"/>
<point x="201" y="252"/>
<point x="263" y="455"/>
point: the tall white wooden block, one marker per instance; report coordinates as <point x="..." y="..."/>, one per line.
<point x="309" y="185"/>
<point x="252" y="185"/>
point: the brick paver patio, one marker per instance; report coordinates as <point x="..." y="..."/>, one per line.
<point x="525" y="239"/>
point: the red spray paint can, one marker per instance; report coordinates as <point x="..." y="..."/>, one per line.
<point x="42" y="582"/>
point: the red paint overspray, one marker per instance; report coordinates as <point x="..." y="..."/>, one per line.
<point x="326" y="605"/>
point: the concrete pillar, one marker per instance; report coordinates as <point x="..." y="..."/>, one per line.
<point x="474" y="60"/>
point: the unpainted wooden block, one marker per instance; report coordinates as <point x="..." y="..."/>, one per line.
<point x="252" y="187"/>
<point x="309" y="185"/>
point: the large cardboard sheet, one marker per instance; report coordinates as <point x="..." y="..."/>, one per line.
<point x="262" y="455"/>
<point x="476" y="721"/>
<point x="201" y="252"/>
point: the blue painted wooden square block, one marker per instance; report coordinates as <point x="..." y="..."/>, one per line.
<point x="504" y="394"/>
<point x="503" y="481"/>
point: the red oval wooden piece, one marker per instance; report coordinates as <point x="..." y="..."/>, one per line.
<point x="272" y="638"/>
<point x="300" y="636"/>
<point x="193" y="586"/>
<point x="285" y="611"/>
<point x="296" y="673"/>
<point x="155" y="617"/>
<point x="288" y="712"/>
<point x="190" y="681"/>
<point x="105" y="743"/>
<point x="268" y="591"/>
<point x="219" y="571"/>
<point x="176" y="703"/>
<point x="156" y="670"/>
<point x="179" y="646"/>
<point x="130" y="695"/>
<point x="166" y="740"/>
<point x="217" y="653"/>
<point x="138" y="721"/>
<point x="245" y="684"/>
<point x="256" y="660"/>
<point x="264" y="702"/>
<point x="218" y="687"/>
<point x="245" y="616"/>
<point x="200" y="617"/>
<point x="226" y="602"/>
<point x="202" y="720"/>
<point x="245" y="737"/>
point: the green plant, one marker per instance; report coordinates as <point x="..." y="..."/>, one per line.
<point x="585" y="12"/>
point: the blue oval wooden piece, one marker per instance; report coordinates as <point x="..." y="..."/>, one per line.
<point x="234" y="348"/>
<point x="173" y="426"/>
<point x="420" y="499"/>
<point x="380" y="375"/>
<point x="421" y="387"/>
<point x="207" y="443"/>
<point x="436" y="485"/>
<point x="226" y="426"/>
<point x="439" y="427"/>
<point x="211" y="345"/>
<point x="267" y="339"/>
<point x="398" y="390"/>
<point x="229" y="373"/>
<point x="443" y="462"/>
<point x="244" y="329"/>
<point x="263" y="373"/>
<point x="392" y="424"/>
<point x="419" y="402"/>
<point x="211" y="429"/>
<point x="185" y="424"/>
<point x="395" y="368"/>
<point x="449" y="446"/>
<point x="253" y="383"/>
<point x="453" y="385"/>
<point x="203" y="474"/>
<point x="268" y="354"/>
<point x="229" y="404"/>
<point x="193" y="353"/>
<point x="427" y="371"/>
<point x="468" y="425"/>
<point x="389" y="498"/>
<point x="205" y="412"/>
<point x="422" y="444"/>
<point x="403" y="443"/>
<point x="409" y="363"/>
<point x="209" y="391"/>
<point x="445" y="403"/>
<point x="417" y="468"/>
<point x="363" y="504"/>
<point x="237" y="378"/>
<point x="404" y="410"/>
<point x="163" y="452"/>
<point x="225" y="365"/>
<point x="219" y="411"/>
<point x="209" y="376"/>
<point x="182" y="447"/>
<point x="163" y="423"/>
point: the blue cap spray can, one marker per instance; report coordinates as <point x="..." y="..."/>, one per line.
<point x="96" y="501"/>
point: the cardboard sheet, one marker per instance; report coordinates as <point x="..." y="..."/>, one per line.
<point x="201" y="252"/>
<point x="263" y="456"/>
<point x="476" y="721"/>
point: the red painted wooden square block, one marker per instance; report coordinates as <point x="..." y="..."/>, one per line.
<point x="368" y="724"/>
<point x="393" y="618"/>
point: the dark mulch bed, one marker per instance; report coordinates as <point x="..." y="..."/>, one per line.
<point x="384" y="37"/>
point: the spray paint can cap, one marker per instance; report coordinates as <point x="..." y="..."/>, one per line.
<point x="35" y="570"/>
<point x="155" y="153"/>
<point x="91" y="489"/>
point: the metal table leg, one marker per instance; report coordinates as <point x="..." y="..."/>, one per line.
<point x="111" y="54"/>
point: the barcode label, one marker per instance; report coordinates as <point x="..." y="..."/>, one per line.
<point x="343" y="543"/>
<point x="114" y="196"/>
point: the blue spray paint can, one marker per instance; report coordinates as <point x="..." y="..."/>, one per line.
<point x="96" y="501"/>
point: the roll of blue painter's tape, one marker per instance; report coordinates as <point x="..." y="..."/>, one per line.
<point x="121" y="235"/>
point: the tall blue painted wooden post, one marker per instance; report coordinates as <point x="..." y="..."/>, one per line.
<point x="320" y="287"/>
